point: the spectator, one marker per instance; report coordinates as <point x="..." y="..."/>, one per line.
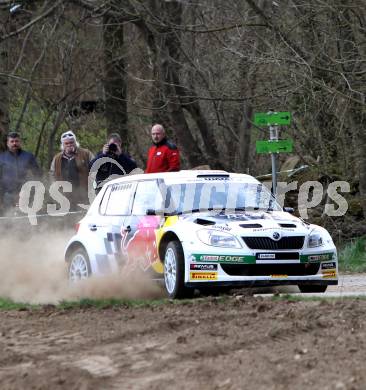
<point x="163" y="156"/>
<point x="16" y="167"/>
<point x="72" y="165"/>
<point x="113" y="150"/>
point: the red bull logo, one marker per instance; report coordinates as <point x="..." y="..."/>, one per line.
<point x="140" y="246"/>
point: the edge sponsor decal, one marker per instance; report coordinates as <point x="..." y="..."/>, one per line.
<point x="224" y="258"/>
<point x="203" y="267"/>
<point x="325" y="257"/>
<point x="316" y="257"/>
<point x="203" y="275"/>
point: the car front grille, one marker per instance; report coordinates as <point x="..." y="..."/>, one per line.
<point x="295" y="242"/>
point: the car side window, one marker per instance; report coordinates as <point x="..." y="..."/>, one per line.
<point x="119" y="199"/>
<point x="105" y="199"/>
<point x="148" y="196"/>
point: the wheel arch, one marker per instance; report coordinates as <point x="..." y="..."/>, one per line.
<point x="72" y="247"/>
<point x="167" y="237"/>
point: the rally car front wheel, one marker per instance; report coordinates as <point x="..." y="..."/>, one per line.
<point x="174" y="271"/>
<point x="79" y="266"/>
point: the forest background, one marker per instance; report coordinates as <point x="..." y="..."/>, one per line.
<point x="202" y="68"/>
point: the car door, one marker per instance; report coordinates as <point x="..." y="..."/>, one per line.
<point x="140" y="240"/>
<point x="113" y="210"/>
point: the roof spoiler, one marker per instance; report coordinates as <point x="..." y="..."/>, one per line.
<point x="214" y="175"/>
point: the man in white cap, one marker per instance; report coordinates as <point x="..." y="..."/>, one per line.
<point x="72" y="165"/>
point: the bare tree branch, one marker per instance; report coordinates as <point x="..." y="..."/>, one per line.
<point x="32" y="22"/>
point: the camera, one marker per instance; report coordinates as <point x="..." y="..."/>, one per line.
<point x="112" y="148"/>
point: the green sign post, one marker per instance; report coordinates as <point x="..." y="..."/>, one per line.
<point x="272" y="118"/>
<point x="280" y="146"/>
<point x="274" y="145"/>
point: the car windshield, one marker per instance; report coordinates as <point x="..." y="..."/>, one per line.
<point x="218" y="196"/>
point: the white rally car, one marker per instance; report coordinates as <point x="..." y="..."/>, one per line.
<point x="198" y="229"/>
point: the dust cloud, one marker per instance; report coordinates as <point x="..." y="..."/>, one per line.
<point x="32" y="270"/>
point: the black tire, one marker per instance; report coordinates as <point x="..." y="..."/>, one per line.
<point x="174" y="272"/>
<point x="78" y="265"/>
<point x="312" y="288"/>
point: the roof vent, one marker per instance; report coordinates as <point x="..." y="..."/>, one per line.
<point x="287" y="225"/>
<point x="204" y="222"/>
<point x="251" y="225"/>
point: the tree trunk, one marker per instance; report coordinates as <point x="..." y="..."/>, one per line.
<point x="115" y="82"/>
<point x="4" y="86"/>
<point x="212" y="154"/>
<point x="160" y="113"/>
<point x="178" y="101"/>
<point x="248" y="85"/>
<point x="167" y="108"/>
<point x="361" y="157"/>
<point x="353" y="51"/>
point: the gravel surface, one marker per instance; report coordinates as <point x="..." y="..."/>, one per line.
<point x="231" y="342"/>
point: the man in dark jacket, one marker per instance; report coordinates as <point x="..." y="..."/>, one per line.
<point x="16" y="167"/>
<point x="163" y="156"/>
<point x="122" y="163"/>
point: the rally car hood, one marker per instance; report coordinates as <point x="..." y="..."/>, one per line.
<point x="247" y="222"/>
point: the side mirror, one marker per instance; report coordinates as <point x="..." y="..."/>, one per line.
<point x="290" y="210"/>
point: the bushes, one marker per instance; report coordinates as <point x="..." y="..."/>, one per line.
<point x="352" y="257"/>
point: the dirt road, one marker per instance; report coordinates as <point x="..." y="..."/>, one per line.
<point x="232" y="342"/>
<point x="207" y="343"/>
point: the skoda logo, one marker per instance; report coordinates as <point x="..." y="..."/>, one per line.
<point x="276" y="236"/>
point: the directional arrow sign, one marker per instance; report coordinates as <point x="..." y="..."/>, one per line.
<point x="280" y="146"/>
<point x="272" y="118"/>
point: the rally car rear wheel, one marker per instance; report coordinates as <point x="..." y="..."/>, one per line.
<point x="79" y="266"/>
<point x="174" y="271"/>
<point x="312" y="289"/>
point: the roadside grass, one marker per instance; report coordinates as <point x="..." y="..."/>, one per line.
<point x="108" y="303"/>
<point x="7" y="304"/>
<point x="102" y="304"/>
<point x="352" y="257"/>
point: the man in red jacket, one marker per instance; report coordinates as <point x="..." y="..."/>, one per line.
<point x="163" y="156"/>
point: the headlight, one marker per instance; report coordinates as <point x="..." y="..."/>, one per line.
<point x="216" y="238"/>
<point x="315" y="239"/>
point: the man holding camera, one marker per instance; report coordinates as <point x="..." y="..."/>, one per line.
<point x="111" y="161"/>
